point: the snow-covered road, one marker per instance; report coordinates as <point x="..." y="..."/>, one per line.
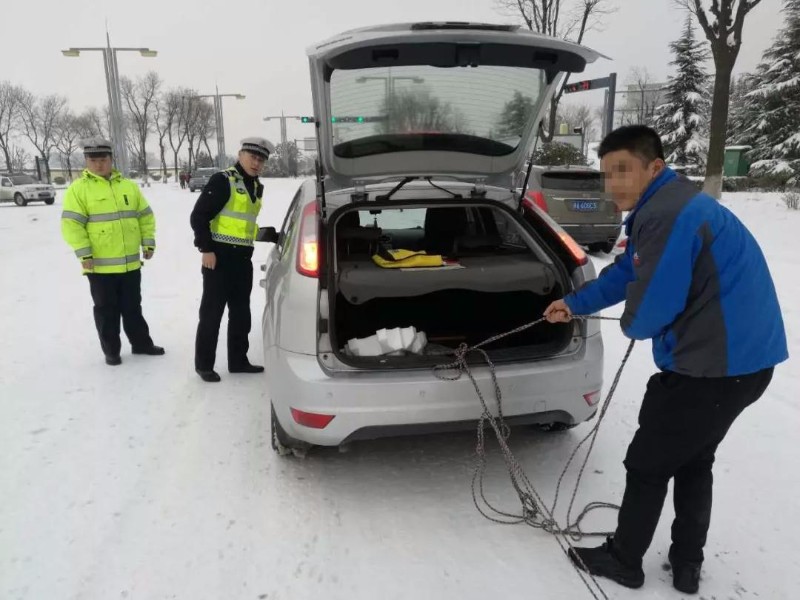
<point x="141" y="482"/>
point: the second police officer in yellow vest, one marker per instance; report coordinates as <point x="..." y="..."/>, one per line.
<point x="224" y="224"/>
<point x="109" y="225"/>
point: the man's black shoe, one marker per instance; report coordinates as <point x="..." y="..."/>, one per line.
<point x="151" y="351"/>
<point x="113" y="361"/>
<point x="246" y="368"/>
<point x="603" y="562"/>
<point x="685" y="575"/>
<point x="209" y="376"/>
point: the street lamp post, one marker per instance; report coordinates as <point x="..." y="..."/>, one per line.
<point x="218" y="120"/>
<point x="117" y="124"/>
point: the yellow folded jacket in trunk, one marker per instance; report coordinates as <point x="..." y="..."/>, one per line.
<point x="408" y="259"/>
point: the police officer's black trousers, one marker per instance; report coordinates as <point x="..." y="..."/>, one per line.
<point x="681" y="423"/>
<point x="230" y="283"/>
<point x="119" y="295"/>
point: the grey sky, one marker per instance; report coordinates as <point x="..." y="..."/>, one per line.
<point x="257" y="47"/>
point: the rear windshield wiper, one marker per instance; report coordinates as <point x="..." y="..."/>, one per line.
<point x="452" y="193"/>
<point x="392" y="192"/>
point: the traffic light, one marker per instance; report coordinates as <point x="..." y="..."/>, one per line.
<point x="306" y="119"/>
<point x="578" y="86"/>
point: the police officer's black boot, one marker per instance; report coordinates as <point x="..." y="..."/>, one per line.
<point x="685" y="575"/>
<point x="604" y="562"/>
<point x="245" y="367"/>
<point x="113" y="360"/>
<point x="151" y="351"/>
<point x="209" y="376"/>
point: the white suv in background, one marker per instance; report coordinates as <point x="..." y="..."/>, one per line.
<point x="21" y="189"/>
<point x="418" y="152"/>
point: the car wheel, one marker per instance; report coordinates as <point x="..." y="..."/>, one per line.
<point x="50" y="201"/>
<point x="19" y="200"/>
<point x="282" y="442"/>
<point x="556" y="427"/>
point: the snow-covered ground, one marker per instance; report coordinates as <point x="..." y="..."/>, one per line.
<point x="142" y="482"/>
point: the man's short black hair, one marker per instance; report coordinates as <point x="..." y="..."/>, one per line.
<point x="639" y="140"/>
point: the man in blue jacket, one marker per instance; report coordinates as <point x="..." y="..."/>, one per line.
<point x="695" y="281"/>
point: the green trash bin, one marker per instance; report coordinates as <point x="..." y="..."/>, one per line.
<point x="736" y="162"/>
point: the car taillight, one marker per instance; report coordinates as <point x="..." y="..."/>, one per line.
<point x="573" y="248"/>
<point x="593" y="398"/>
<point x="537" y="198"/>
<point x="312" y="420"/>
<point x="307" y="242"/>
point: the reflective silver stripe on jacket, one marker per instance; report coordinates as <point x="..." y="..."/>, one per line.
<point x="68" y="214"/>
<point x="145" y="212"/>
<point x="105" y="217"/>
<point x="114" y="262"/>
<point x="238" y="215"/>
<point x="149" y="243"/>
<point x="229" y="239"/>
<point x="83" y="252"/>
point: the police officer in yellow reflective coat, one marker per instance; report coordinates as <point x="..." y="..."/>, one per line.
<point x="224" y="224"/>
<point x="109" y="225"/>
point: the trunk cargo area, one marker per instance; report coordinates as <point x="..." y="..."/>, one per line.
<point x="489" y="286"/>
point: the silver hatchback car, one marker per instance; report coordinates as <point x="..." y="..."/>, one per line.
<point x="412" y="240"/>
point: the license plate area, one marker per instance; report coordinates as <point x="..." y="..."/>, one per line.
<point x="584" y="205"/>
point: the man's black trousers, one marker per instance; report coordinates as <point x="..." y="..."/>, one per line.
<point x="230" y="283"/>
<point x="119" y="295"/>
<point x="681" y="423"/>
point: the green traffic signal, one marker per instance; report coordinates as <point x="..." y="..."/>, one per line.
<point x="306" y="119"/>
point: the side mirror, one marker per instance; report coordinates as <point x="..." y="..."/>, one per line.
<point x="267" y="234"/>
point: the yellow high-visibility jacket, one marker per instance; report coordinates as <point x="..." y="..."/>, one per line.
<point x="108" y="220"/>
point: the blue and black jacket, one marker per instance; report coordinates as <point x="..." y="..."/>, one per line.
<point x="695" y="281"/>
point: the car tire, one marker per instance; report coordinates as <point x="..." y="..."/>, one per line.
<point x="282" y="442"/>
<point x="598" y="247"/>
<point x="50" y="201"/>
<point x="20" y="200"/>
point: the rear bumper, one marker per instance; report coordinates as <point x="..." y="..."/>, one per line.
<point x="369" y="405"/>
<point x="592" y="234"/>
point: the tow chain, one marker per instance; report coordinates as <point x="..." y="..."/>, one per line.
<point x="535" y="512"/>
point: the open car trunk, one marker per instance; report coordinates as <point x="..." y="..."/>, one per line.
<point x="493" y="280"/>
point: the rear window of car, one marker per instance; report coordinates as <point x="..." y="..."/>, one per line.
<point x="204" y="172"/>
<point x="584" y="182"/>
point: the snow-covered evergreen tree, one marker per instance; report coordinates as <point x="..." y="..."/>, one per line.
<point x="742" y="111"/>
<point x="773" y="107"/>
<point x="682" y="120"/>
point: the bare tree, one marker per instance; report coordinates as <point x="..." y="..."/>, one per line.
<point x="40" y="119"/>
<point x="722" y="23"/>
<point x="162" y="125"/>
<point x="192" y="114"/>
<point x="566" y="19"/>
<point x="11" y="97"/>
<point x="176" y="132"/>
<point x="20" y="158"/>
<point x="199" y="125"/>
<point x="206" y="126"/>
<point x="68" y="134"/>
<point x="644" y="97"/>
<point x="94" y="122"/>
<point x="140" y="99"/>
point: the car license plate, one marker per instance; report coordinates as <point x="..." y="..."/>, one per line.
<point x="585" y="205"/>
